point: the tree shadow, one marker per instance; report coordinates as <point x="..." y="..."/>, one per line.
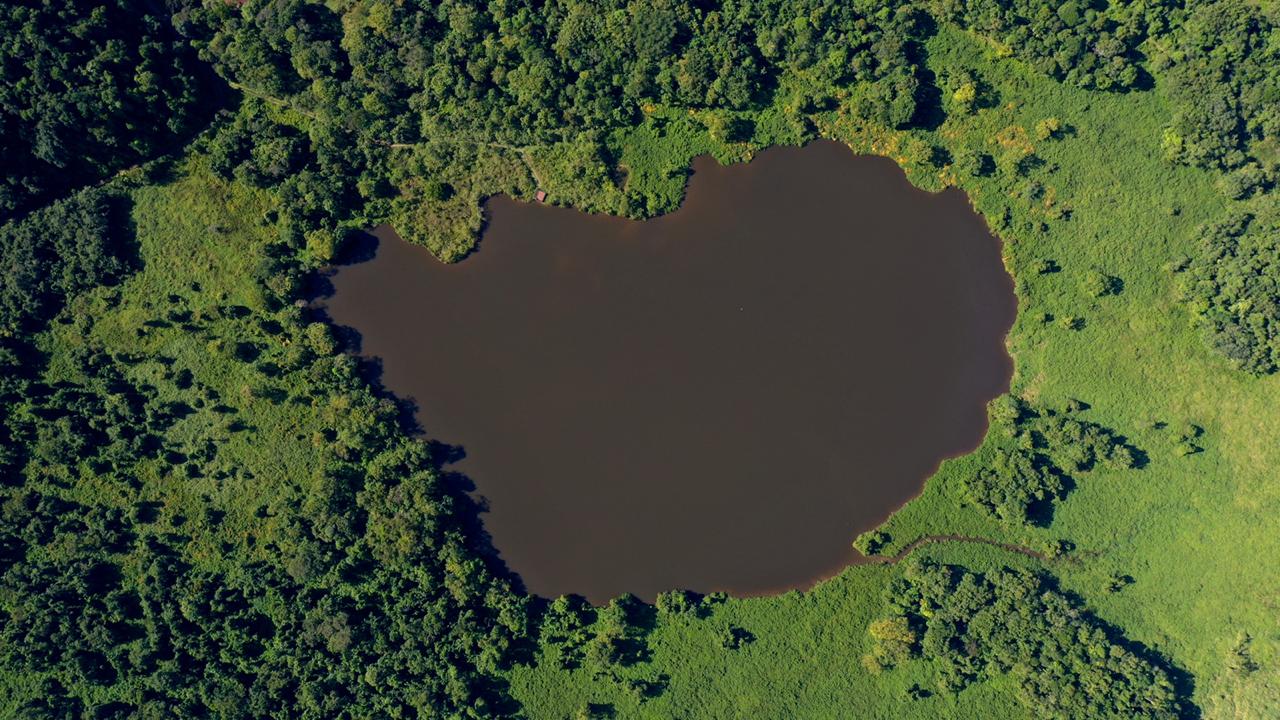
<point x="1184" y="684"/>
<point x="735" y="638"/>
<point x="1040" y="512"/>
<point x="1140" y="457"/>
<point x="600" y="711"/>
<point x="358" y="247"/>
<point x="929" y="113"/>
<point x="124" y="235"/>
<point x="641" y="620"/>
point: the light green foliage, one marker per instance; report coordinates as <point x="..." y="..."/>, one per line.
<point x="204" y="476"/>
<point x="1048" y="128"/>
<point x="196" y="476"/>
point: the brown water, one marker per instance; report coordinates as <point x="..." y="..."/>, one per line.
<point x="717" y="399"/>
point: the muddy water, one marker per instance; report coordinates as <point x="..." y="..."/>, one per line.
<point x="717" y="399"/>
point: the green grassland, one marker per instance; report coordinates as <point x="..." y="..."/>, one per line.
<point x="1190" y="531"/>
<point x="1193" y="532"/>
<point x="201" y="241"/>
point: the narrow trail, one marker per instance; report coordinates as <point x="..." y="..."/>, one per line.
<point x="521" y="150"/>
<point x="931" y="539"/>
<point x="283" y="103"/>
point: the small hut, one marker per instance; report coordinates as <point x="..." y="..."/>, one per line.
<point x="540" y="196"/>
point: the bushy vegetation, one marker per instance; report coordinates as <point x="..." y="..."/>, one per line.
<point x="159" y="560"/>
<point x="1091" y="45"/>
<point x="70" y="246"/>
<point x="1220" y="69"/>
<point x="205" y="509"/>
<point x="1234" y="288"/>
<point x="1037" y="456"/>
<point x="472" y="99"/>
<point x="970" y="625"/>
<point x="85" y="90"/>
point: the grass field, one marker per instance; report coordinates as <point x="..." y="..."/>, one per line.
<point x="1192" y="532"/>
<point x="200" y="241"/>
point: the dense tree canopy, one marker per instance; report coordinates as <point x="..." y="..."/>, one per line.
<point x="365" y="588"/>
<point x="1234" y="288"/>
<point x="425" y="109"/>
<point x="67" y="247"/>
<point x="85" y="90"/>
<point x="525" y="72"/>
<point x="1064" y="661"/>
<point x="1221" y="72"/>
<point x="1093" y="45"/>
<point x="375" y="599"/>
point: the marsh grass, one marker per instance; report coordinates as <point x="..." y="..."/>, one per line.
<point x="1190" y="534"/>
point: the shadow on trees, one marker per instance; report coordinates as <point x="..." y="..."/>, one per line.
<point x="929" y="114"/>
<point x="1182" y="680"/>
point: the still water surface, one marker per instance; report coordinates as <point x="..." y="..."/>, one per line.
<point x="717" y="399"/>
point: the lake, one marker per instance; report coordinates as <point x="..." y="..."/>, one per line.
<point x="717" y="399"/>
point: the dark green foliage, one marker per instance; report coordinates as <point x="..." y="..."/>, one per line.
<point x="603" y="641"/>
<point x="1079" y="446"/>
<point x="1244" y="182"/>
<point x="372" y="601"/>
<point x="253" y="148"/>
<point x="439" y="105"/>
<point x="975" y="162"/>
<point x="1221" y="67"/>
<point x="1013" y="482"/>
<point x="357" y="590"/>
<point x="728" y="129"/>
<point x="69" y="246"/>
<point x="1221" y="71"/>
<point x="86" y="89"/>
<point x="1097" y="283"/>
<point x="417" y="624"/>
<point x="1066" y="664"/>
<point x="1089" y="45"/>
<point x="565" y="628"/>
<point x="870" y="543"/>
<point x="735" y="638"/>
<point x="321" y="177"/>
<point x="1039" y="453"/>
<point x="676" y="601"/>
<point x="1234" y="288"/>
<point x="523" y="72"/>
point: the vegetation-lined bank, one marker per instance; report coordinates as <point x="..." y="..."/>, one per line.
<point x="206" y="510"/>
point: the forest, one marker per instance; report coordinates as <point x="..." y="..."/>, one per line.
<point x="87" y="91"/>
<point x="210" y="508"/>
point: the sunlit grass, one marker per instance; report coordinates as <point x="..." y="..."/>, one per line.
<point x="1193" y="532"/>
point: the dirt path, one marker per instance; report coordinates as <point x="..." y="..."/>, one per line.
<point x="931" y="539"/>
